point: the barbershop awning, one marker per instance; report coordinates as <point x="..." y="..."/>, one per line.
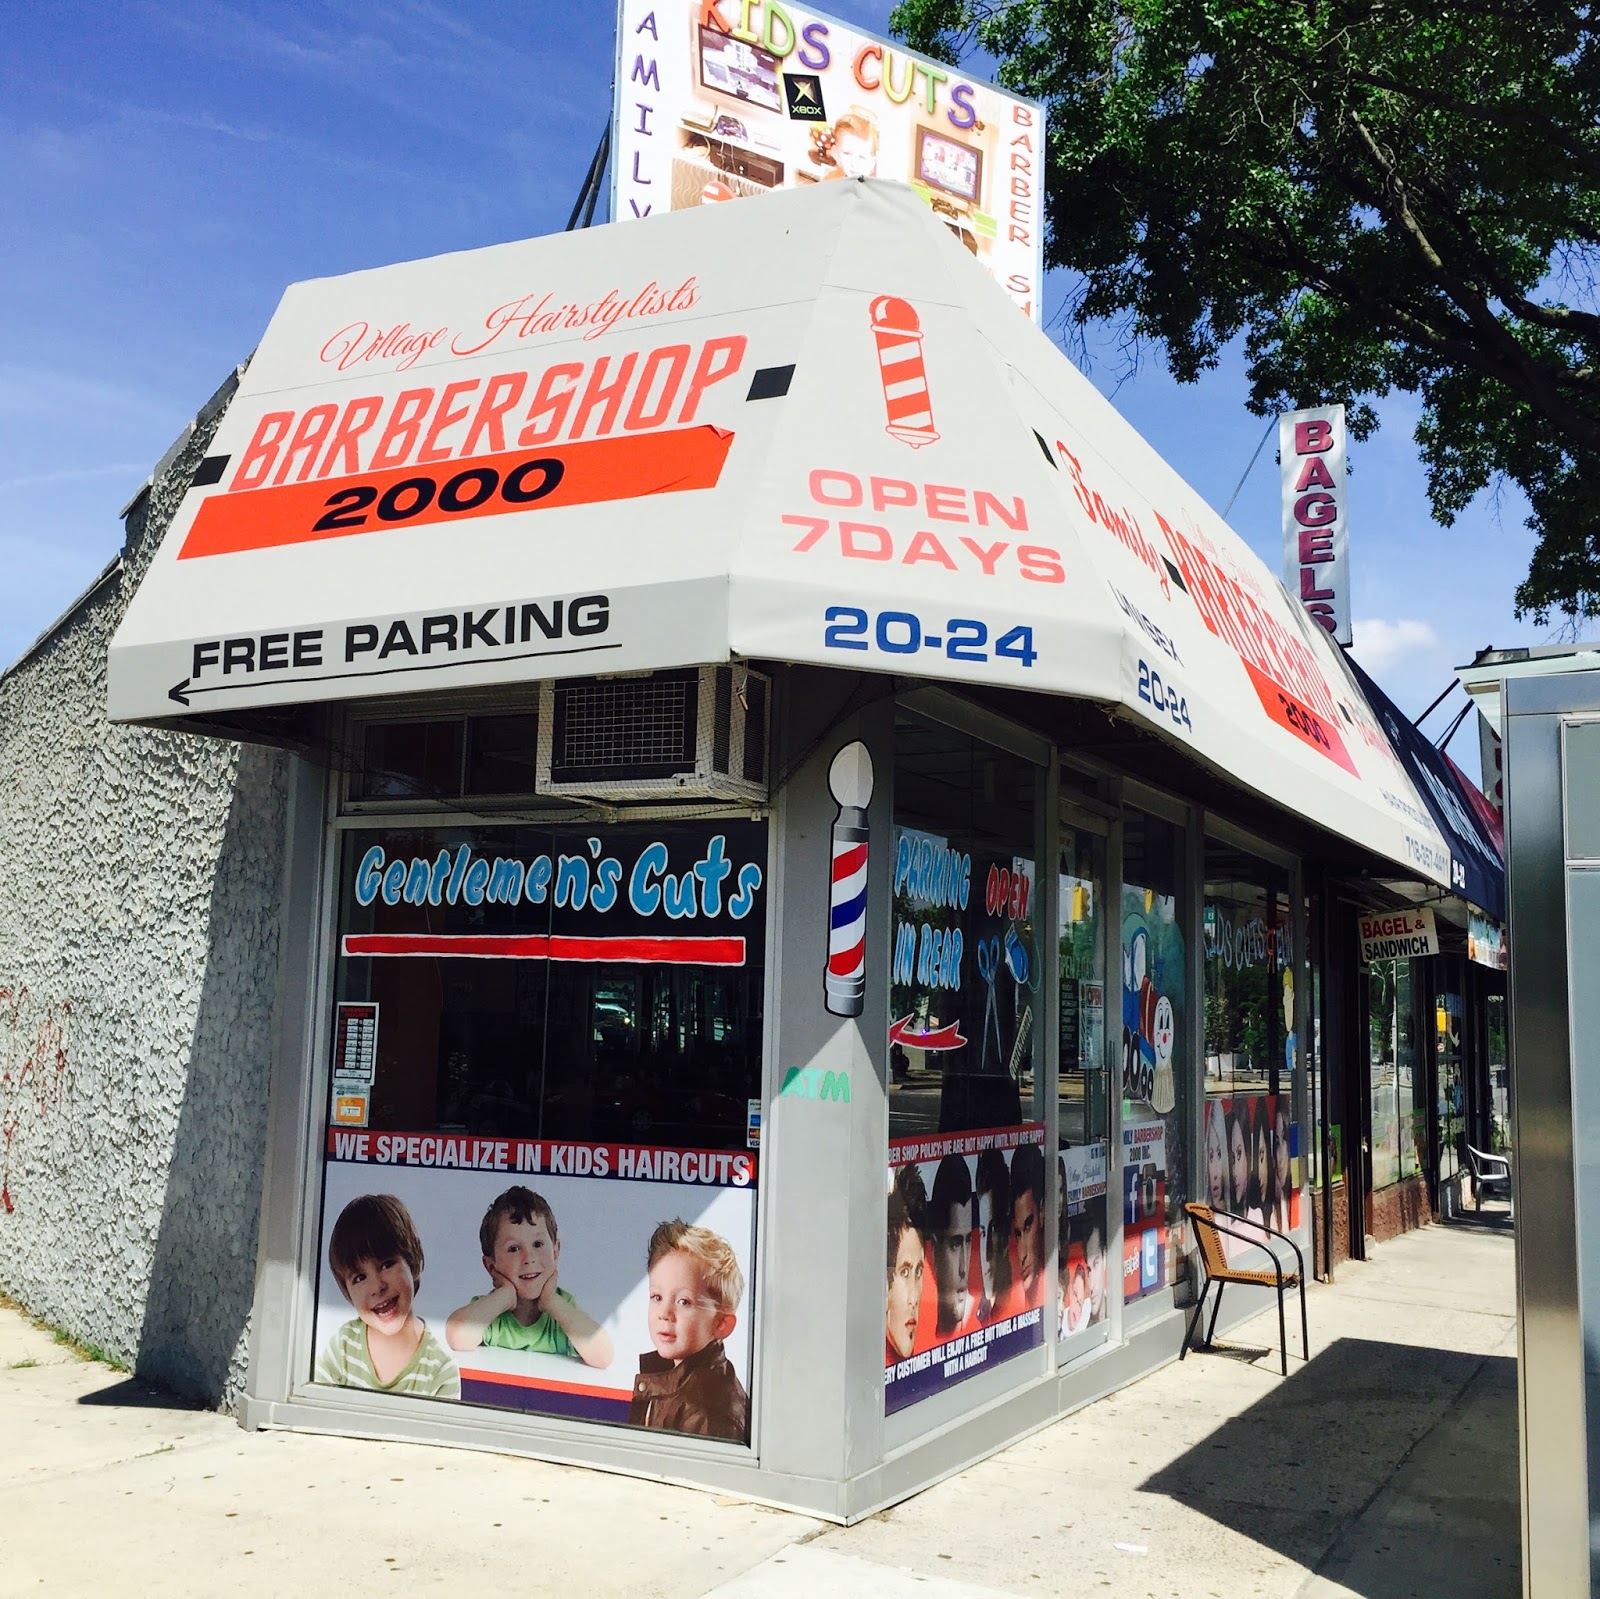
<point x="807" y="428"/>
<point x="1477" y="866"/>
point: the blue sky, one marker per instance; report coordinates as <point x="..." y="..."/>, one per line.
<point x="166" y="169"/>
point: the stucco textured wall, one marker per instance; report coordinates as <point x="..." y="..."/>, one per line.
<point x="139" y="890"/>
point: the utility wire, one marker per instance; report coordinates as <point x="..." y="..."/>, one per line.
<point x="1272" y="422"/>
<point x="1450" y="732"/>
<point x="590" y="192"/>
<point x="1449" y="689"/>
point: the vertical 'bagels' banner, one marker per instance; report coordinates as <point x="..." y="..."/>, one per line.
<point x="1316" y="543"/>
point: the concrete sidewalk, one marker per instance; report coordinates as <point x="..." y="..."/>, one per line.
<point x="1386" y="1467"/>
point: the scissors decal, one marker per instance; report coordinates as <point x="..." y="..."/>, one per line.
<point x="989" y="971"/>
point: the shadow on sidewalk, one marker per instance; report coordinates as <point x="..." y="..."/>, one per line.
<point x="1481" y="1221"/>
<point x="133" y="1393"/>
<point x="1335" y="1433"/>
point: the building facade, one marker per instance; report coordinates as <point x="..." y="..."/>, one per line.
<point x="646" y="841"/>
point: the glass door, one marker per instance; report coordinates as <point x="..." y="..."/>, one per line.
<point x="967" y="1267"/>
<point x="1082" y="1159"/>
<point x="1250" y="1138"/>
<point x="1158" y="1068"/>
<point x="1499" y="1081"/>
<point x="1451" y="1106"/>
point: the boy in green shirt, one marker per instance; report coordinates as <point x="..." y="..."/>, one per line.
<point x="376" y="1258"/>
<point x="526" y="1309"/>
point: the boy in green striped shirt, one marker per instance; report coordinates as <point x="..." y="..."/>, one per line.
<point x="525" y="1309"/>
<point x="376" y="1258"/>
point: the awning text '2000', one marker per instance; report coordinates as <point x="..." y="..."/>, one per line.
<point x="629" y="467"/>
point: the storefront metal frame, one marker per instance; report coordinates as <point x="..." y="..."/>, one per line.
<point x="280" y="1390"/>
<point x="904" y="1431"/>
<point x="345" y="814"/>
<point x="875" y="1459"/>
<point x="1105" y="823"/>
<point x="1553" y="1129"/>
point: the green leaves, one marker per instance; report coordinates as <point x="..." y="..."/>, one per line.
<point x="1380" y="196"/>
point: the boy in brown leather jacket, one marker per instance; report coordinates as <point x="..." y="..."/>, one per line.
<point x="689" y="1384"/>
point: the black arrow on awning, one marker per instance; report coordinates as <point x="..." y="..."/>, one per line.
<point x="181" y="691"/>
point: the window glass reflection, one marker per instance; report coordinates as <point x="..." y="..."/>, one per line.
<point x="1157" y="1073"/>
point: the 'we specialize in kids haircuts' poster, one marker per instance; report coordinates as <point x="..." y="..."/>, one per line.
<point x="547" y="1201"/>
<point x="966" y="1269"/>
<point x="564" y="1313"/>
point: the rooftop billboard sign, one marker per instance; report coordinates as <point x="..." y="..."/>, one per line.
<point x="721" y="99"/>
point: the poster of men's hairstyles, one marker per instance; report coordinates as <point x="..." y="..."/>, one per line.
<point x="1252" y="1161"/>
<point x="968" y="1257"/>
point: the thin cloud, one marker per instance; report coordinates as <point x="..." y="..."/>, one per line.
<point x="74" y="475"/>
<point x="1380" y="644"/>
<point x="30" y="393"/>
<point x="382" y="50"/>
<point x="307" y="150"/>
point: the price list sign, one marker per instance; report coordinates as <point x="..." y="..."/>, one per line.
<point x="355" y="1058"/>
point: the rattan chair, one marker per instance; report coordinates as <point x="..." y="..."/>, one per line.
<point x="1209" y="1226"/>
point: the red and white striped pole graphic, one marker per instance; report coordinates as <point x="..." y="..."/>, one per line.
<point x="845" y="981"/>
<point x="897" y="330"/>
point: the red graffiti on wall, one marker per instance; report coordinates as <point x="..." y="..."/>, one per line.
<point x="33" y="1070"/>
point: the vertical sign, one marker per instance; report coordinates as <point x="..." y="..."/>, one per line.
<point x="1316" y="549"/>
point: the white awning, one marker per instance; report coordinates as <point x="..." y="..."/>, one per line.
<point x="807" y="428"/>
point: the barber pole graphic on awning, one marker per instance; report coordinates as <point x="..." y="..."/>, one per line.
<point x="845" y="980"/>
<point x="897" y="330"/>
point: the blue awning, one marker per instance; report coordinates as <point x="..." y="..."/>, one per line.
<point x="1477" y="869"/>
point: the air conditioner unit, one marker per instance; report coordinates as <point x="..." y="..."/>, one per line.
<point x="695" y="734"/>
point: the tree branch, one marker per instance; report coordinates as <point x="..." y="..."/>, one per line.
<point x="1534" y="381"/>
<point x="1509" y="359"/>
<point x="1566" y="320"/>
<point x="1469" y="110"/>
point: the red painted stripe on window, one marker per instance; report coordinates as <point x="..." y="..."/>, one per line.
<point x="557" y="947"/>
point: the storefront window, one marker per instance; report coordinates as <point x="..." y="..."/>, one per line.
<point x="1499" y="1094"/>
<point x="1082" y="1164"/>
<point x="1250" y="1139"/>
<point x="969" y="1237"/>
<point x="447" y="758"/>
<point x="1313" y="1059"/>
<point x="546" y="1047"/>
<point x="1157" y="1071"/>
<point x="1393" y="1064"/>
<point x="1452" y="1106"/>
